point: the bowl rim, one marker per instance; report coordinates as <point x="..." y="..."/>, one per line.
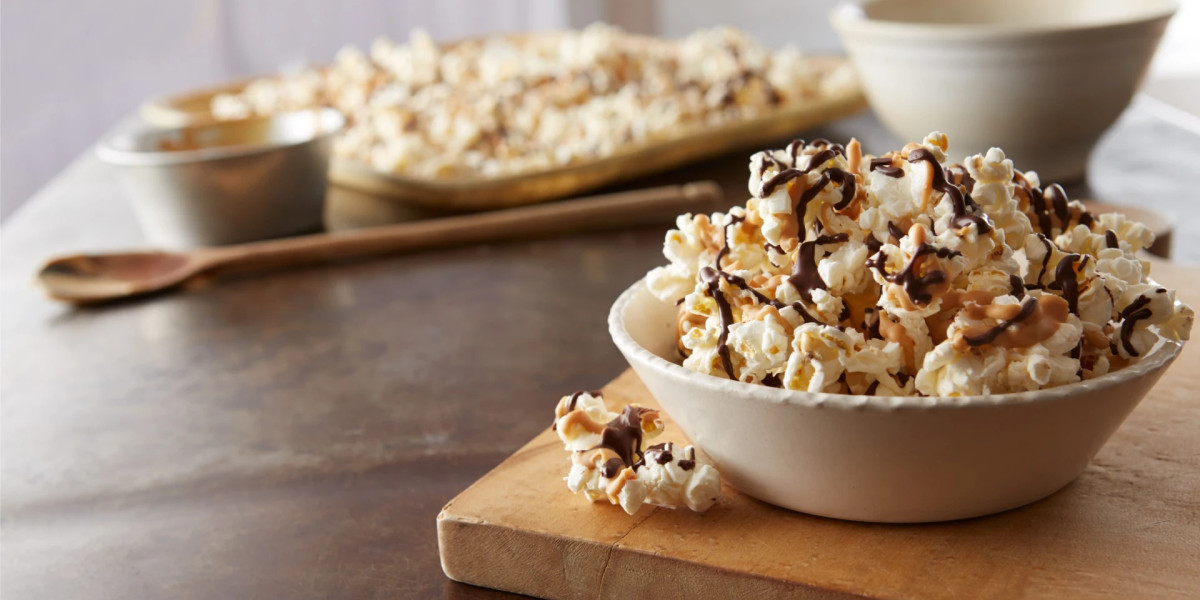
<point x="1160" y="357"/>
<point x="109" y="151"/>
<point x="849" y="16"/>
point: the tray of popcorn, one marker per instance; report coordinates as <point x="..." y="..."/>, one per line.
<point x="506" y="120"/>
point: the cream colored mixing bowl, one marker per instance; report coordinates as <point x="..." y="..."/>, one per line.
<point x="1043" y="80"/>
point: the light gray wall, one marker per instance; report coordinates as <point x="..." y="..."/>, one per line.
<point x="775" y="23"/>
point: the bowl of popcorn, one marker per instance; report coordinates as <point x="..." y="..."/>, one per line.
<point x="894" y="338"/>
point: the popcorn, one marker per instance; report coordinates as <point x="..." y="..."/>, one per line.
<point x="609" y="463"/>
<point x="500" y="106"/>
<point x="901" y="275"/>
<point x="580" y="418"/>
<point x="674" y="478"/>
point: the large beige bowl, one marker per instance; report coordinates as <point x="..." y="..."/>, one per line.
<point x="866" y="458"/>
<point x="1042" y="80"/>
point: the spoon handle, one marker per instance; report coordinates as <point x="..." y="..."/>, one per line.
<point x="621" y="209"/>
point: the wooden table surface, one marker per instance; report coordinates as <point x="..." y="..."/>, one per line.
<point x="295" y="435"/>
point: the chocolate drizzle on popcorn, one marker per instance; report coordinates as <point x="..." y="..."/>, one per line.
<point x="901" y="275"/>
<point x="609" y="462"/>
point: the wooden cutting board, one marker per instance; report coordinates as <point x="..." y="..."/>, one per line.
<point x="1129" y="527"/>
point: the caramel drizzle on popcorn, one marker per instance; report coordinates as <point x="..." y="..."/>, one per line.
<point x="923" y="278"/>
<point x="829" y="150"/>
<point x="960" y="199"/>
<point x="803" y="276"/>
<point x="1021" y="325"/>
<point x="567" y="405"/>
<point x="918" y="283"/>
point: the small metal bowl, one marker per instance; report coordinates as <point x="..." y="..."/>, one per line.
<point x="227" y="182"/>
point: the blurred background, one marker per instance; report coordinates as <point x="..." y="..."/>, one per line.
<point x="72" y="69"/>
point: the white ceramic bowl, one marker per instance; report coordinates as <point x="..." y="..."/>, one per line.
<point x="1042" y="80"/>
<point x="867" y="458"/>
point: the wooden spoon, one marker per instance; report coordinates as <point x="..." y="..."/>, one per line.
<point x="95" y="278"/>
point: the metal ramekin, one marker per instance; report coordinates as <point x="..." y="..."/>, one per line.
<point x="227" y="182"/>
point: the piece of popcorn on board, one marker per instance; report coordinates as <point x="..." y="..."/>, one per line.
<point x="610" y="461"/>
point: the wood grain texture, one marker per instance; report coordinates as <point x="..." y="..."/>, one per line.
<point x="1126" y="528"/>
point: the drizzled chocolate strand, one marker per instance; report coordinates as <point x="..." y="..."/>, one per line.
<point x="611" y="467"/>
<point x="1110" y="239"/>
<point x="712" y="278"/>
<point x="1045" y="259"/>
<point x="824" y="143"/>
<point x="807" y="196"/>
<point x="761" y="297"/>
<point x="660" y="453"/>
<point x="1065" y="279"/>
<point x="846" y="181"/>
<point x="1017" y="285"/>
<point x="963" y="178"/>
<point x="1052" y="201"/>
<point x="960" y="200"/>
<point x="724" y="251"/>
<point x="571" y="405"/>
<point x="873" y="245"/>
<point x="689" y="463"/>
<point x="1057" y="198"/>
<point x="885" y="167"/>
<point x="1130" y="315"/>
<point x="805" y="277"/>
<point x="574" y="398"/>
<point x="917" y="287"/>
<point x="814" y="161"/>
<point x="623" y="436"/>
<point x="769" y="161"/>
<point x="990" y="335"/>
